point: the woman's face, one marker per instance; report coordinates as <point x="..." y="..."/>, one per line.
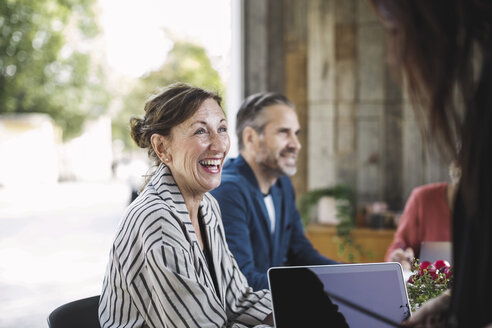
<point x="197" y="149"/>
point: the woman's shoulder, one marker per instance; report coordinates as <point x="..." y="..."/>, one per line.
<point x="430" y="189"/>
<point x="148" y="210"/>
<point x="146" y="204"/>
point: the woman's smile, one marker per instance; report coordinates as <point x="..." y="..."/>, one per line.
<point x="211" y="165"/>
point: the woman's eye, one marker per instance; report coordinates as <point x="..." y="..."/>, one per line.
<point x="200" y="131"/>
<point x="223" y="129"/>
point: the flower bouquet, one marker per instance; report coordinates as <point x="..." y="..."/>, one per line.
<point x="428" y="280"/>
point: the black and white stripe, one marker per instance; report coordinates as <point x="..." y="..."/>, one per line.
<point x="157" y="274"/>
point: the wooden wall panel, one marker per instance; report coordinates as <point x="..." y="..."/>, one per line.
<point x="329" y="58"/>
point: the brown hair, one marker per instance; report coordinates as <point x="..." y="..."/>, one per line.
<point x="429" y="43"/>
<point x="169" y="108"/>
<point x="444" y="49"/>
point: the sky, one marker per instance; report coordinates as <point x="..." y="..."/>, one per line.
<point x="136" y="31"/>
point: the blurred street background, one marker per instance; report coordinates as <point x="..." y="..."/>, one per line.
<point x="72" y="73"/>
<point x="54" y="245"/>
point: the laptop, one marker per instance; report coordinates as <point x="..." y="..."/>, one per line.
<point x="360" y="295"/>
<point x="436" y="250"/>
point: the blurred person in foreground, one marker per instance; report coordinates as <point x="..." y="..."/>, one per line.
<point x="263" y="226"/>
<point x="427" y="217"/>
<point x="169" y="264"/>
<point x="444" y="49"/>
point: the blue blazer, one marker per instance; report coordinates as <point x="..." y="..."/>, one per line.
<point x="247" y="224"/>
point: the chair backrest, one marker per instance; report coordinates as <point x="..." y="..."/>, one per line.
<point x="81" y="313"/>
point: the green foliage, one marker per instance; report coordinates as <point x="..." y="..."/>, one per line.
<point x="40" y="71"/>
<point x="186" y="62"/>
<point x="342" y="193"/>
<point x="345" y="205"/>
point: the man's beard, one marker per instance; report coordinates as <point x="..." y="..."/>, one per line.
<point x="273" y="163"/>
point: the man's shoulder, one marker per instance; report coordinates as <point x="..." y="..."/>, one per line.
<point x="230" y="187"/>
<point x="232" y="175"/>
<point x="236" y="172"/>
<point x="285" y="184"/>
<point x="232" y="178"/>
<point x="235" y="183"/>
<point x="285" y="181"/>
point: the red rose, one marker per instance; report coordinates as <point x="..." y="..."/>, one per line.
<point x="448" y="272"/>
<point x="423" y="266"/>
<point x="440" y="264"/>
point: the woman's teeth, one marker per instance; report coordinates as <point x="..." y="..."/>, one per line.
<point x="210" y="162"/>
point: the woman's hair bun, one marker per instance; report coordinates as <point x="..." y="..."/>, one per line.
<point x="137" y="131"/>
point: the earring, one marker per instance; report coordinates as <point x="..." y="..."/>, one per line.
<point x="167" y="159"/>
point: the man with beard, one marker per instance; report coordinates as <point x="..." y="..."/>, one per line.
<point x="262" y="225"/>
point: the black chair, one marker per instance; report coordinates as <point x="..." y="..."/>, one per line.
<point x="81" y="313"/>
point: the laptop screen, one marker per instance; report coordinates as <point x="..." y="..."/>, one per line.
<point x="353" y="295"/>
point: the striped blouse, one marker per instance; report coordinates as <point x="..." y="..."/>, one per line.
<point x="157" y="275"/>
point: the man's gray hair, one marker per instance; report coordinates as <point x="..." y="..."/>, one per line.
<point x="249" y="113"/>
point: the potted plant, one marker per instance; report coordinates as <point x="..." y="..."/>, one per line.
<point x="345" y="208"/>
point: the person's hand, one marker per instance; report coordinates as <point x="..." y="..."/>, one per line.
<point x="431" y="314"/>
<point x="404" y="257"/>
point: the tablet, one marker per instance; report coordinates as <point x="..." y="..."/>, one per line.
<point x="365" y="295"/>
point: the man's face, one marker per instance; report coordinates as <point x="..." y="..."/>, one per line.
<point x="278" y="145"/>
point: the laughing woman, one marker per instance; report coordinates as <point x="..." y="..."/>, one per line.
<point x="169" y="263"/>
